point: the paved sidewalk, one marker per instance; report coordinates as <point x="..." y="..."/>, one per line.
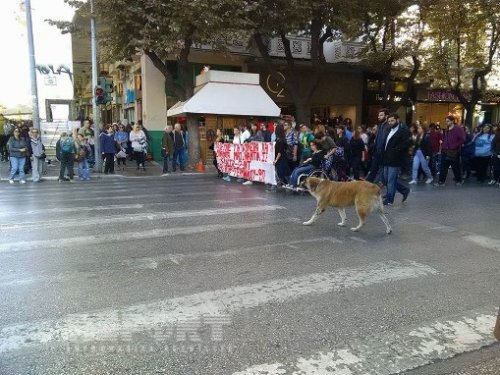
<point x="153" y="169"/>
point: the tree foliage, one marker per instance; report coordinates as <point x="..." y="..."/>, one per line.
<point x="319" y="21"/>
<point x="464" y="38"/>
<point x="160" y="29"/>
<point x="392" y="31"/>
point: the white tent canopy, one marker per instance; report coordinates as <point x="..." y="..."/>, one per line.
<point x="227" y="93"/>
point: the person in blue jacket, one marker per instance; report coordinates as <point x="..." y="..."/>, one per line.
<point x="482" y="152"/>
<point x="108" y="149"/>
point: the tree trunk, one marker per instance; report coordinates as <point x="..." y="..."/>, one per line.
<point x="469" y="107"/>
<point x="303" y="112"/>
<point x="194" y="141"/>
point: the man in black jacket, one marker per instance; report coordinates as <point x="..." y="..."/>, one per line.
<point x="396" y="146"/>
<point x="378" y="148"/>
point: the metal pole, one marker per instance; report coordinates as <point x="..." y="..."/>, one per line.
<point x="31" y="49"/>
<point x="95" y="107"/>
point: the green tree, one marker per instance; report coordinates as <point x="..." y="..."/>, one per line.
<point x="465" y="37"/>
<point x="393" y="32"/>
<point x="161" y="29"/>
<point x="283" y="19"/>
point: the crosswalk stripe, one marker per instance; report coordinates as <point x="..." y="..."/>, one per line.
<point x="129" y="218"/>
<point x="129" y="236"/>
<point x="483" y="241"/>
<point x="101" y="193"/>
<point x="136" y="206"/>
<point x="103" y="197"/>
<point x="393" y="352"/>
<point x="108" y="324"/>
<point x="152" y="263"/>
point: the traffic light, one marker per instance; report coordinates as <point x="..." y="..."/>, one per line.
<point x="108" y="90"/>
<point x="99" y="95"/>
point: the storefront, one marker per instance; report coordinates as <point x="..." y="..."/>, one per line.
<point x="433" y="106"/>
<point x="339" y="93"/>
<point x="373" y="99"/>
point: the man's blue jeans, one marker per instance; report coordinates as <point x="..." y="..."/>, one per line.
<point x="180" y="158"/>
<point x="294" y="177"/>
<point x="391" y="181"/>
<point x="166" y="160"/>
<point x="17" y="165"/>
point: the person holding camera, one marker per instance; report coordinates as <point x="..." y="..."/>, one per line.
<point x="37" y="151"/>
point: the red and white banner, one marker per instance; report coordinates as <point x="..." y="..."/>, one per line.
<point x="252" y="161"/>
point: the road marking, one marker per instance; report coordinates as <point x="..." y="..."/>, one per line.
<point x="108" y="324"/>
<point x="152" y="263"/>
<point x="70" y="242"/>
<point x="431" y="225"/>
<point x="483" y="241"/>
<point x="132" y="218"/>
<point x="121" y="206"/>
<point x="179" y="258"/>
<point x="77" y="209"/>
<point x="358" y="239"/>
<point x="393" y="352"/>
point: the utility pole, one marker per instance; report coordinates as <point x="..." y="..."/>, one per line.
<point x="31" y="50"/>
<point x="95" y="107"/>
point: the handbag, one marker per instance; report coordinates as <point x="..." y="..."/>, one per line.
<point x="121" y="154"/>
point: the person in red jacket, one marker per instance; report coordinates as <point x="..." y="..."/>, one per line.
<point x="452" y="143"/>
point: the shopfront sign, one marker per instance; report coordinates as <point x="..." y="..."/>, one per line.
<point x="252" y="161"/>
<point x="444" y="96"/>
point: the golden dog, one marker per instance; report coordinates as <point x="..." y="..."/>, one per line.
<point x="364" y="195"/>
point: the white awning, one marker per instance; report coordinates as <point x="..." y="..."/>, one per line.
<point x="223" y="98"/>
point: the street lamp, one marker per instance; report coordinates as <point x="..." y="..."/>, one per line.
<point x="95" y="107"/>
<point x="31" y="51"/>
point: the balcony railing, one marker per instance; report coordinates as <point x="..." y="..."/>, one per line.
<point x="335" y="52"/>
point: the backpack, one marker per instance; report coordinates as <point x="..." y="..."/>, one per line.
<point x="67" y="146"/>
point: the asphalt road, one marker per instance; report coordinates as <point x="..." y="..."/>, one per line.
<point x="193" y="275"/>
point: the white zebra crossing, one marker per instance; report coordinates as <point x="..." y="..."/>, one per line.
<point x="64" y="243"/>
<point x="144" y="216"/>
<point x="393" y="352"/>
<point x="107" y="324"/>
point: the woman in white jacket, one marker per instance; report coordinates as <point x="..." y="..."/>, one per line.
<point x="139" y="144"/>
<point x="37" y="154"/>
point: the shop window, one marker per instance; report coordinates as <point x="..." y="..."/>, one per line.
<point x="372" y="85"/>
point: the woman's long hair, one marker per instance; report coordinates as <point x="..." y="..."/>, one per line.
<point x="280" y="132"/>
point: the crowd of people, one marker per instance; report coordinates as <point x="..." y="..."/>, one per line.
<point x="386" y="153"/>
<point x="21" y="145"/>
<point x="381" y="153"/>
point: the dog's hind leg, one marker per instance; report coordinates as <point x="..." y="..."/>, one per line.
<point x="381" y="213"/>
<point x="343" y="216"/>
<point x="314" y="217"/>
<point x="362" y="214"/>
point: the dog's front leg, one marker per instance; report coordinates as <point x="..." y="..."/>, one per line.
<point x="343" y="216"/>
<point x="314" y="217"/>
